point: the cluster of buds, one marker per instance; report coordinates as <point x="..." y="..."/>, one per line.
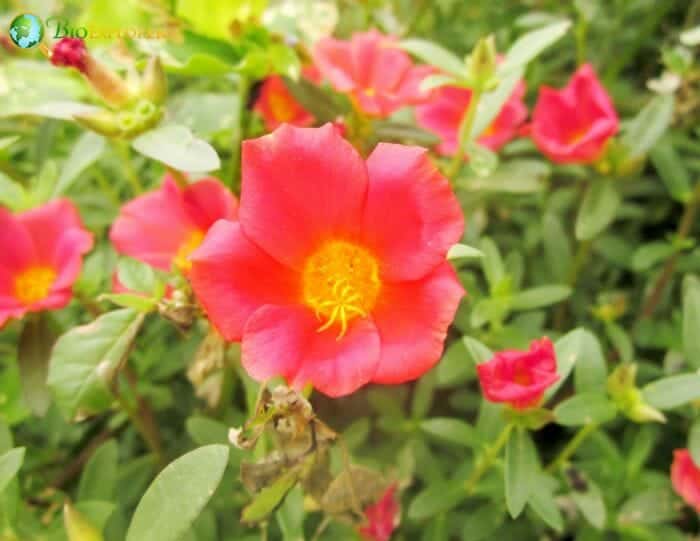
<point x="622" y="388"/>
<point x="132" y="108"/>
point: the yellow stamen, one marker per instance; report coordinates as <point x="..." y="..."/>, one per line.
<point x="34" y="284"/>
<point x="281" y="107"/>
<point x="340" y="282"/>
<point x="192" y="242"/>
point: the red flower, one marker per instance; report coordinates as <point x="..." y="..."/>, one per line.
<point x="70" y="52"/>
<point x="685" y="477"/>
<point x="443" y="113"/>
<point x="379" y="77"/>
<point x="519" y="378"/>
<point x="382" y="517"/>
<point x="323" y="283"/>
<point x="277" y="106"/>
<point x="42" y="255"/>
<point x="572" y="125"/>
<point x="163" y="227"/>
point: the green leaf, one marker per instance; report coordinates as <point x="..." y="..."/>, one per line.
<point x="481" y="523"/>
<point x="598" y="209"/>
<point x="136" y="275"/>
<point x="462" y="251"/>
<point x="85" y="360"/>
<point x="435" y="55"/>
<point x="88" y="148"/>
<point x="267" y="500"/>
<point x="10" y="463"/>
<point x="12" y="194"/>
<point x="651" y="254"/>
<point x="691" y="320"/>
<point x="33" y="353"/>
<point x="436" y="530"/>
<point x="205" y="431"/>
<point x="544" y="505"/>
<point x="215" y="18"/>
<point x="482" y="160"/>
<point x="671" y="392"/>
<point x="591" y="504"/>
<point x="437" y="498"/>
<point x="585" y="408"/>
<point x="455" y="367"/>
<point x="492" y="262"/>
<point x="521" y="468"/>
<point x="403" y="132"/>
<point x="517" y="176"/>
<point x="694" y="441"/>
<point x="530" y="45"/>
<point x="492" y="102"/>
<point x="450" y="430"/>
<point x="314" y="100"/>
<point x="671" y="169"/>
<point x="177" y="147"/>
<point x="178" y="495"/>
<point x="437" y="80"/>
<point x="620" y="340"/>
<point x="538" y="297"/>
<point x="648" y="126"/>
<point x="649" y="507"/>
<point x="423" y="396"/>
<point x="557" y="250"/>
<point x="78" y="527"/>
<point x="99" y="477"/>
<point x="590" y="370"/>
<point x="477" y="351"/>
<point x="128" y="300"/>
<point x="291" y="516"/>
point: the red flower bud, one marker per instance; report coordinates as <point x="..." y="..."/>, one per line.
<point x="70" y="52"/>
<point x="519" y="378"/>
<point x="685" y="477"/>
<point x="572" y="125"/>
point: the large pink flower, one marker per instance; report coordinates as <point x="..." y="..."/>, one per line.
<point x="42" y="254"/>
<point x="443" y="112"/>
<point x="163" y="227"/>
<point x="685" y="477"/>
<point x="572" y="125"/>
<point x="335" y="274"/>
<point x="519" y="378"/>
<point x="379" y="77"/>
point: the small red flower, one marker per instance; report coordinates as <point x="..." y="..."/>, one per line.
<point x="379" y="77"/>
<point x="70" y="52"/>
<point x="277" y="106"/>
<point x="320" y="282"/>
<point x="163" y="227"/>
<point x="382" y="517"/>
<point x="443" y="113"/>
<point x="519" y="378"/>
<point x="573" y="125"/>
<point x="685" y="477"/>
<point x="42" y="255"/>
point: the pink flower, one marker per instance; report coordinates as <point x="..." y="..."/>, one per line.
<point x="685" y="477"/>
<point x="573" y="125"/>
<point x="382" y="517"/>
<point x="42" y="254"/>
<point x="319" y="280"/>
<point x="163" y="227"/>
<point x="443" y="113"/>
<point x="519" y="378"/>
<point x="70" y="52"/>
<point x="379" y="77"/>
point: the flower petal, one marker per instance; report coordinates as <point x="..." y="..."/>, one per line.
<point x="232" y="278"/>
<point x="412" y="216"/>
<point x="335" y="62"/>
<point x="412" y="319"/>
<point x="208" y="200"/>
<point x="68" y="257"/>
<point x="17" y="243"/>
<point x="300" y="186"/>
<point x="47" y="224"/>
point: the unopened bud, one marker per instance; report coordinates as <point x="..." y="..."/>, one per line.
<point x="481" y="64"/>
<point x="628" y="398"/>
<point x="103" y="122"/>
<point x="154" y="85"/>
<point x="71" y="53"/>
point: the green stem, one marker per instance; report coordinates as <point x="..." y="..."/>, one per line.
<point x="465" y="129"/>
<point x="487" y="460"/>
<point x="684" y="227"/>
<point x="130" y="172"/>
<point x="239" y="133"/>
<point x="581" y="33"/>
<point x="571" y="447"/>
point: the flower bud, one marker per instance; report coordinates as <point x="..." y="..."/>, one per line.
<point x="103" y="122"/>
<point x="481" y="64"/>
<point x="154" y="85"/>
<point x="628" y="398"/>
<point x="70" y="52"/>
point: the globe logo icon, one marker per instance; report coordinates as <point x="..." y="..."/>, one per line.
<point x="26" y="30"/>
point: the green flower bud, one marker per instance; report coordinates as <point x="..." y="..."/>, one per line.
<point x="481" y="65"/>
<point x="628" y="398"/>
<point x="103" y="122"/>
<point x="154" y="84"/>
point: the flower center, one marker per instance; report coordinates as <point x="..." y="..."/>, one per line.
<point x="576" y="136"/>
<point x="340" y="282"/>
<point x="34" y="284"/>
<point x="192" y="242"/>
<point x="281" y="107"/>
